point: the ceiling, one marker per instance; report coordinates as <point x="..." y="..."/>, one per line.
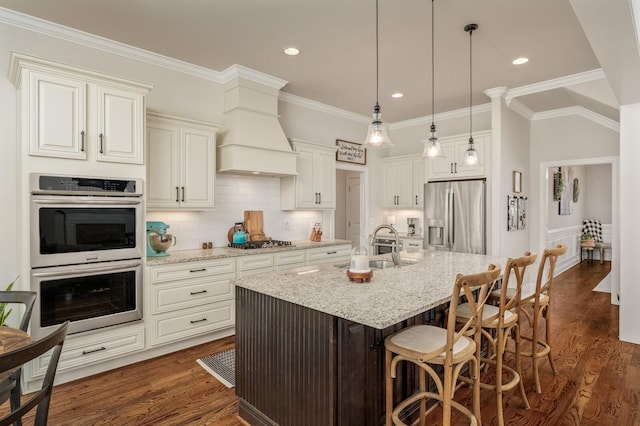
<point x="336" y="38"/>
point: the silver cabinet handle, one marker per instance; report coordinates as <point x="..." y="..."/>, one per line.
<point x="101" y="144"/>
<point x="82" y="141"/>
<point x="177" y="194"/>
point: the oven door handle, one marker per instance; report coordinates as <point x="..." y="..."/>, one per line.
<point x="118" y="267"/>
<point x="85" y="201"/>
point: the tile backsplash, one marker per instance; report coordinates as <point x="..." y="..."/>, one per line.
<point x="234" y="195"/>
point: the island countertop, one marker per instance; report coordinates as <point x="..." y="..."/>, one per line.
<point x="392" y="296"/>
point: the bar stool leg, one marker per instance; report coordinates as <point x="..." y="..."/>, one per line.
<point x="388" y="387"/>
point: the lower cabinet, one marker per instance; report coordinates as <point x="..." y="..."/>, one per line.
<point x="331" y="254"/>
<point x="93" y="347"/>
<point x="190" y="299"/>
<point x="289" y="259"/>
<point x="255" y="264"/>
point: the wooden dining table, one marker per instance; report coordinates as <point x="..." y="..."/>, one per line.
<point x="11" y="339"/>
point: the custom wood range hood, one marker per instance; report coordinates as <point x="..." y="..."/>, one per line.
<point x="252" y="140"/>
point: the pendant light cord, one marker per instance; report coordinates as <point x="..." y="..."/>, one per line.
<point x="377" y="61"/>
<point x="470" y="87"/>
<point x="433" y="68"/>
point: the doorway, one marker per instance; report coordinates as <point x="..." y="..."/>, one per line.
<point x="546" y="170"/>
<point x="351" y="203"/>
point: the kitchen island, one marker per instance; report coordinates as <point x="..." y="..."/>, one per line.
<point x="309" y="343"/>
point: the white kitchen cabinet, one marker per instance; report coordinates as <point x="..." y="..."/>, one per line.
<point x="419" y="178"/>
<point x="315" y="185"/>
<point x="255" y="264"/>
<point x="70" y="113"/>
<point x="397" y="182"/>
<point x="410" y="244"/>
<point x="329" y="254"/>
<point x="190" y="299"/>
<point x="289" y="259"/>
<point x="451" y="165"/>
<point x="85" y="349"/>
<point x="181" y="163"/>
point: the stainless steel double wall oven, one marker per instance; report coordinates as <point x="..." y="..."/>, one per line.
<point x="87" y="241"/>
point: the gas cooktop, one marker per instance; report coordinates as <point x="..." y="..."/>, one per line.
<point x="261" y="244"/>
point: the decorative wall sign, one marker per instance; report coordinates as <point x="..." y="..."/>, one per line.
<point x="522" y="212"/>
<point x="512" y="212"/>
<point x="576" y="190"/>
<point x="351" y="152"/>
<point x="557" y="185"/>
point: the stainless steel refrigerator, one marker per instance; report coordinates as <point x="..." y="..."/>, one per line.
<point x="455" y="216"/>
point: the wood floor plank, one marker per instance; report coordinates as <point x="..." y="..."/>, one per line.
<point x="598" y="381"/>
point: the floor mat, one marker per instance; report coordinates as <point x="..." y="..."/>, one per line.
<point x="222" y="366"/>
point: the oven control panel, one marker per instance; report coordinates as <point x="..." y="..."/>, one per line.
<point x="48" y="184"/>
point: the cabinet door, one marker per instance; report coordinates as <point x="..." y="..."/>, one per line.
<point x="326" y="179"/>
<point x="404" y="182"/>
<point x="442" y="167"/>
<point x="419" y="179"/>
<point x="389" y="184"/>
<point x="306" y="193"/>
<point x="162" y="166"/>
<point x="57" y="116"/>
<point x="198" y="164"/>
<point x="120" y="126"/>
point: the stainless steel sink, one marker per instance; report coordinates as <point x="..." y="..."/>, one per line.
<point x="381" y="264"/>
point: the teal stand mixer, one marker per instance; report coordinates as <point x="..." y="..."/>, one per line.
<point x="158" y="241"/>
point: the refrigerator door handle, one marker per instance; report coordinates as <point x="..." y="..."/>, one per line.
<point x="452" y="218"/>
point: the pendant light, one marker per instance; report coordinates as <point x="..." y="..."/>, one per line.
<point x="471" y="154"/>
<point x="432" y="145"/>
<point x="378" y="134"/>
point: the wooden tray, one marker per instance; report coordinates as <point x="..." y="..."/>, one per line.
<point x="360" y="277"/>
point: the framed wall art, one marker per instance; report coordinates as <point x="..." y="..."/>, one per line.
<point x="351" y="152"/>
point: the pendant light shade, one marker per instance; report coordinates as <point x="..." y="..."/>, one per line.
<point x="432" y="145"/>
<point x="378" y="134"/>
<point x="471" y="154"/>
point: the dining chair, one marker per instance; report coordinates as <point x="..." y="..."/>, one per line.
<point x="441" y="353"/>
<point x="498" y="323"/>
<point x="12" y="383"/>
<point x="42" y="398"/>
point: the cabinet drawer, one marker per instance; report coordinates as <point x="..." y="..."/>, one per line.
<point x="251" y="262"/>
<point x="196" y="292"/>
<point x="407" y="244"/>
<point x="290" y="258"/>
<point x="328" y="254"/>
<point x="180" y="271"/>
<point x="179" y="325"/>
<point x="79" y="351"/>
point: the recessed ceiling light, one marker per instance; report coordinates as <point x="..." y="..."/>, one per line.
<point x="520" y="61"/>
<point x="397" y="95"/>
<point x="291" y="51"/>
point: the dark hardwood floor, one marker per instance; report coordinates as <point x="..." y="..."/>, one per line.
<point x="598" y="381"/>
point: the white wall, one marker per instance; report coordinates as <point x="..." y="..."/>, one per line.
<point x="596" y="192"/>
<point x="572" y="138"/>
<point x="579" y="212"/>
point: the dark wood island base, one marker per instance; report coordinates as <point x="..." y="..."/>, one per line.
<point x="297" y="366"/>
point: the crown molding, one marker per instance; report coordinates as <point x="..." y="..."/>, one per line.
<point x="496" y="92"/>
<point x="50" y="29"/>
<point x="521" y="109"/>
<point x="240" y="71"/>
<point x="581" y="112"/>
<point x="555" y="83"/>
<point x="324" y="108"/>
<point x="448" y="115"/>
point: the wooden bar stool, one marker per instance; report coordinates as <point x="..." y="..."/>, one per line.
<point x="427" y="347"/>
<point x="536" y="306"/>
<point x="497" y="323"/>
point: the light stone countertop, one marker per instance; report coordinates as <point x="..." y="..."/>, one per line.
<point x="392" y="296"/>
<point x="180" y="256"/>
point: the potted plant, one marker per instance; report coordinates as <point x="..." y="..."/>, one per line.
<point x="587" y="240"/>
<point x="4" y="313"/>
